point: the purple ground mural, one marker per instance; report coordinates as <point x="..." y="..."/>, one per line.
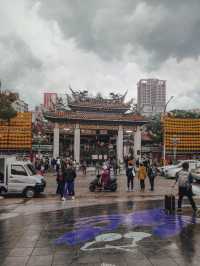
<point x="159" y="223"/>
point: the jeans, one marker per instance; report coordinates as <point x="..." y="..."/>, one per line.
<point x="69" y="188"/>
<point x="183" y="191"/>
<point x="130" y="181"/>
<point x="151" y="181"/>
<point x="61" y="188"/>
<point x="142" y="184"/>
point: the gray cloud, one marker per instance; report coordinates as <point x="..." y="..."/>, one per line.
<point x="163" y="28"/>
<point x="101" y="45"/>
<point x="20" y="58"/>
<point x="17" y="64"/>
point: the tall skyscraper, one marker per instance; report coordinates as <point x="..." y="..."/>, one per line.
<point x="151" y="96"/>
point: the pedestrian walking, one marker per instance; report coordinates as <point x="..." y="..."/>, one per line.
<point x="142" y="174"/>
<point x="69" y="178"/>
<point x="60" y="182"/>
<point x="185" y="179"/>
<point x="152" y="173"/>
<point x="130" y="174"/>
<point x="83" y="167"/>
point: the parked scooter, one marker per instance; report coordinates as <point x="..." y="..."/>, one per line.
<point x="96" y="185"/>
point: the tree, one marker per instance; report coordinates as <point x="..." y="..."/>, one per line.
<point x="184" y="114"/>
<point x="6" y="109"/>
<point x="155" y="128"/>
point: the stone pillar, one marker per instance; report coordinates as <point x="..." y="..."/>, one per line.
<point x="77" y="143"/>
<point x="137" y="143"/>
<point x="56" y="141"/>
<point x="120" y="145"/>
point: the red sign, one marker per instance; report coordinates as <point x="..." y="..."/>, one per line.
<point x="50" y="100"/>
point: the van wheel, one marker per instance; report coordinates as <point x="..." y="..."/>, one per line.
<point x="3" y="191"/>
<point x="29" y="192"/>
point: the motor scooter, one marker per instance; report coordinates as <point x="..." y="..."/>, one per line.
<point x="96" y="185"/>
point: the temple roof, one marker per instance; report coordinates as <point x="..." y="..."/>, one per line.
<point x="80" y="101"/>
<point x="88" y="117"/>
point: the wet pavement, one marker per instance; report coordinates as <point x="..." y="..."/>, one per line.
<point x="102" y="228"/>
<point x="123" y="233"/>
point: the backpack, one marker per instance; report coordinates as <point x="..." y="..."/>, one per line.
<point x="183" y="179"/>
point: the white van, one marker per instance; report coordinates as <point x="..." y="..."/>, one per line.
<point x="19" y="177"/>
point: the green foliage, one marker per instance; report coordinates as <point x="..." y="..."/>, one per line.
<point x="155" y="128"/>
<point x="99" y="96"/>
<point x="184" y="114"/>
<point x="6" y="110"/>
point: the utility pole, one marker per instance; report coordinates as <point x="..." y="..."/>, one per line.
<point x="164" y="146"/>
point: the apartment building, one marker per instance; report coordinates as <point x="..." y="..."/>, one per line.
<point x="151" y="96"/>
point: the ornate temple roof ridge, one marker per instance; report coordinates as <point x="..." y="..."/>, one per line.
<point x="81" y="99"/>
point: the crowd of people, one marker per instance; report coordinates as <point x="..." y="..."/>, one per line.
<point x="143" y="169"/>
<point x="66" y="174"/>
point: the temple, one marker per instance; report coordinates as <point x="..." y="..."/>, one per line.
<point x="95" y="128"/>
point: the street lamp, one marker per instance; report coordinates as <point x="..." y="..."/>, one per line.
<point x="164" y="112"/>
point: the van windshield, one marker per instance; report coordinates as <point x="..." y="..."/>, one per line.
<point x="31" y="169"/>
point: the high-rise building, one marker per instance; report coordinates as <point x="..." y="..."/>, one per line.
<point x="50" y="100"/>
<point x="151" y="96"/>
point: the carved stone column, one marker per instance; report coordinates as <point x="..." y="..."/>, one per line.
<point x="137" y="143"/>
<point x="120" y="145"/>
<point x="56" y="141"/>
<point x="77" y="143"/>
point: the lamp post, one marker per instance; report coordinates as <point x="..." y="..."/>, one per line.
<point x="164" y="112"/>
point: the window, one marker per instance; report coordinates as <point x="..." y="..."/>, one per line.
<point x="31" y="169"/>
<point x="18" y="170"/>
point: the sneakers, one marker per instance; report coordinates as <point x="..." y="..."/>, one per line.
<point x="63" y="199"/>
<point x="129" y="190"/>
<point x="73" y="198"/>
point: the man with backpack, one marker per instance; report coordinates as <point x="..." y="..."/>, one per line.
<point x="185" y="179"/>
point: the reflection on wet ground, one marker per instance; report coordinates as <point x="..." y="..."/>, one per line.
<point x="117" y="234"/>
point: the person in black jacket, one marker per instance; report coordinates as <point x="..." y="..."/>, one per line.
<point x="130" y="173"/>
<point x="69" y="175"/>
<point x="152" y="173"/>
<point x="60" y="182"/>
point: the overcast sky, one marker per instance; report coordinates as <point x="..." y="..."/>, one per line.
<point x="100" y="45"/>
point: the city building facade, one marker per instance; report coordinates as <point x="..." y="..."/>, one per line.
<point x="151" y="96"/>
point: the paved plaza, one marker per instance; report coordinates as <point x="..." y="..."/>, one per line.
<point x="101" y="228"/>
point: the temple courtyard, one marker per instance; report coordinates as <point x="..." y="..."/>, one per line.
<point x="100" y="228"/>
